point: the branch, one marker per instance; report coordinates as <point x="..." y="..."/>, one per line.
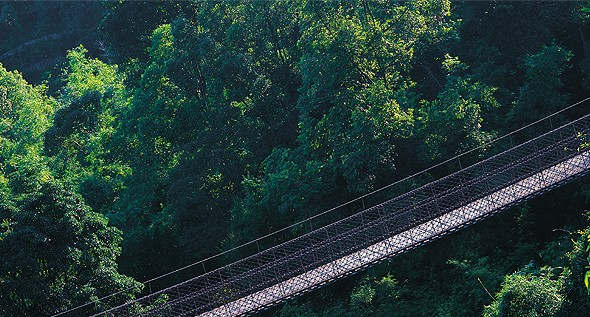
<point x="485" y="288"/>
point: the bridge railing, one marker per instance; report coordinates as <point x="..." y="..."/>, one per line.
<point x="381" y="219"/>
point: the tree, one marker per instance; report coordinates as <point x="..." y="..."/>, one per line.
<point x="208" y="109"/>
<point x="357" y="98"/>
<point x="224" y="121"/>
<point x="356" y="104"/>
<point x="81" y="144"/>
<point x="542" y="91"/>
<point x="525" y="294"/>
<point x="58" y="254"/>
<point x="25" y="114"/>
<point x="454" y="121"/>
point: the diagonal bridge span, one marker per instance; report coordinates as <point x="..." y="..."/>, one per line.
<point x="379" y="232"/>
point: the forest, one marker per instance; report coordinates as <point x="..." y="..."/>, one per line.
<point x="140" y="137"/>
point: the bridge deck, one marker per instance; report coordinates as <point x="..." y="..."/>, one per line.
<point x="378" y="232"/>
<point x="407" y="239"/>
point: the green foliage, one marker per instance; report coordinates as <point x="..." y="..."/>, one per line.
<point x="203" y="116"/>
<point x="228" y="120"/>
<point x="453" y="122"/>
<point x="80" y="142"/>
<point x="84" y="74"/>
<point x="57" y="254"/>
<point x="376" y="297"/>
<point x="587" y="274"/>
<point x="525" y="294"/>
<point x="296" y="311"/>
<point x="25" y="110"/>
<point x="24" y="118"/>
<point x="361" y="298"/>
<point x="356" y="98"/>
<point x="356" y="109"/>
<point x="541" y="92"/>
<point x="577" y="260"/>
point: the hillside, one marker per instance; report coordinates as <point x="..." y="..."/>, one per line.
<point x="139" y="137"/>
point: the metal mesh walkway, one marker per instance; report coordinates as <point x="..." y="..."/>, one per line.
<point x="376" y="233"/>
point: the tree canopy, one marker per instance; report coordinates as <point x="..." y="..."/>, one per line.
<point x="139" y="137"/>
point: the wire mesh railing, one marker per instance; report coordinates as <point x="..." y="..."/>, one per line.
<point x="262" y="278"/>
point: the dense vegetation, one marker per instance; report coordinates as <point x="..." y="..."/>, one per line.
<point x="146" y="136"/>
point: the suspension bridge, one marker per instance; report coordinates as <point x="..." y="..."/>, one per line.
<point x="381" y="231"/>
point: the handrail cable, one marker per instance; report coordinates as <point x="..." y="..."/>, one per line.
<point x="328" y="210"/>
